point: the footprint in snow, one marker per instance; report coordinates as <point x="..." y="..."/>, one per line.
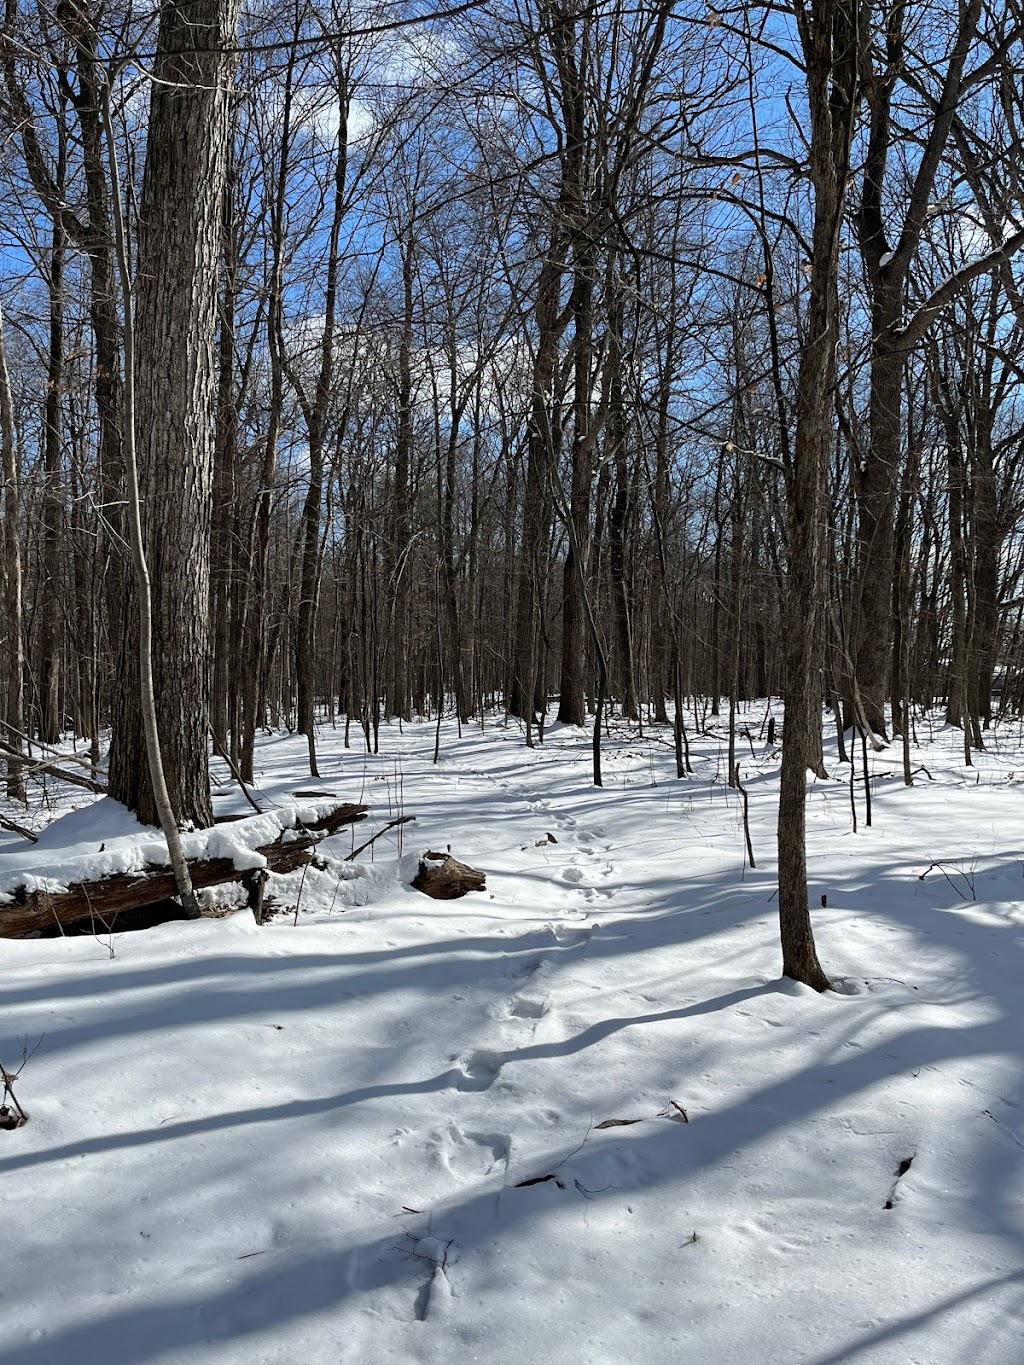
<point x="468" y="1153"/>
<point x="530" y="967"/>
<point x="571" y="874"/>
<point x="478" y="1070"/>
<point x="523" y="1008"/>
<point x="566" y="937"/>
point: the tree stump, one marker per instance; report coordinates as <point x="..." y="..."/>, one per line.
<point x="444" y="878"/>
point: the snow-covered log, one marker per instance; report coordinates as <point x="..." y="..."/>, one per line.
<point x="31" y="907"/>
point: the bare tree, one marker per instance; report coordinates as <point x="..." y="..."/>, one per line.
<point x="175" y="383"/>
<point x="832" y="34"/>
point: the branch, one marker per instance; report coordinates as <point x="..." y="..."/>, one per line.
<point x="403" y="820"/>
<point x="952" y="286"/>
<point x="18" y="829"/>
<point x="51" y="766"/>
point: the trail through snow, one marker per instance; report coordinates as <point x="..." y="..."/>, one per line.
<point x="381" y="1133"/>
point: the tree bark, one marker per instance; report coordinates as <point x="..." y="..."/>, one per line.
<point x="14" y="711"/>
<point x="176" y="387"/>
<point x="830" y="36"/>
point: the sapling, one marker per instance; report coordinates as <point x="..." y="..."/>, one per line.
<point x="12" y="1115"/>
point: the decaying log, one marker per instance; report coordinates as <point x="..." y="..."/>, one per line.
<point x="446" y="879"/>
<point x="105" y="898"/>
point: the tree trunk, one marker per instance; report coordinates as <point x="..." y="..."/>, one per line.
<point x="48" y="671"/>
<point x="14" y="711"/>
<point x="176" y="386"/>
<point x="829" y="33"/>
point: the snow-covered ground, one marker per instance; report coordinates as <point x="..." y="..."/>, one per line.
<point x="378" y="1130"/>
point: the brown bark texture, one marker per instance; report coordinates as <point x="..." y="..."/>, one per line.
<point x="176" y="389"/>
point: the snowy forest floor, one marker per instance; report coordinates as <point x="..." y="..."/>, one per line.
<point x="378" y="1130"/>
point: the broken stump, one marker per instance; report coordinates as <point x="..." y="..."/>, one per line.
<point x="444" y="878"/>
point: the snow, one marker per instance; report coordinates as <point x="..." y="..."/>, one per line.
<point x="104" y="839"/>
<point x="307" y="1141"/>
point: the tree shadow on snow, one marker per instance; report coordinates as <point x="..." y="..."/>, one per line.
<point x="288" y="1289"/>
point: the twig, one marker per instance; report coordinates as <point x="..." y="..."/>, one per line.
<point x="969" y="879"/>
<point x="18" y="829"/>
<point x="222" y="751"/>
<point x="298" y="898"/>
<point x="402" y="820"/>
<point x="746" y="811"/>
<point x="51" y="766"/>
<point x="1008" y="1131"/>
<point x="15" y="1117"/>
<point x="49" y="749"/>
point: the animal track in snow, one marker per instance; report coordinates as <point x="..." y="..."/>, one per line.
<point x="566" y="937"/>
<point x="470" y="1153"/>
<point x="479" y="1069"/>
<point x="775" y="1238"/>
<point x="530" y="967"/>
<point x="528" y="1009"/>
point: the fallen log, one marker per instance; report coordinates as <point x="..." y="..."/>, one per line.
<point x="53" y="767"/>
<point x="444" y="878"/>
<point x="107" y="897"/>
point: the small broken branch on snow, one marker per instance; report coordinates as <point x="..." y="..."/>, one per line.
<point x="222" y="752"/>
<point x="402" y="820"/>
<point x="12" y="1115"/>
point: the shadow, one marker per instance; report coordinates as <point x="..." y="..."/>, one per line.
<point x="318" y="1282"/>
<point x="453" y="1079"/>
<point x="293" y="1286"/>
<point x="321" y="980"/>
<point x="896" y="1330"/>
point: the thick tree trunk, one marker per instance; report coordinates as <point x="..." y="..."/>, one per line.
<point x="887" y="271"/>
<point x="987" y="543"/>
<point x="572" y="675"/>
<point x="956" y="691"/>
<point x="522" y="682"/>
<point x="624" y="673"/>
<point x="317" y="411"/>
<point x="876" y="502"/>
<point x="224" y="548"/>
<point x="176" y="386"/>
<point x="398" y="576"/>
